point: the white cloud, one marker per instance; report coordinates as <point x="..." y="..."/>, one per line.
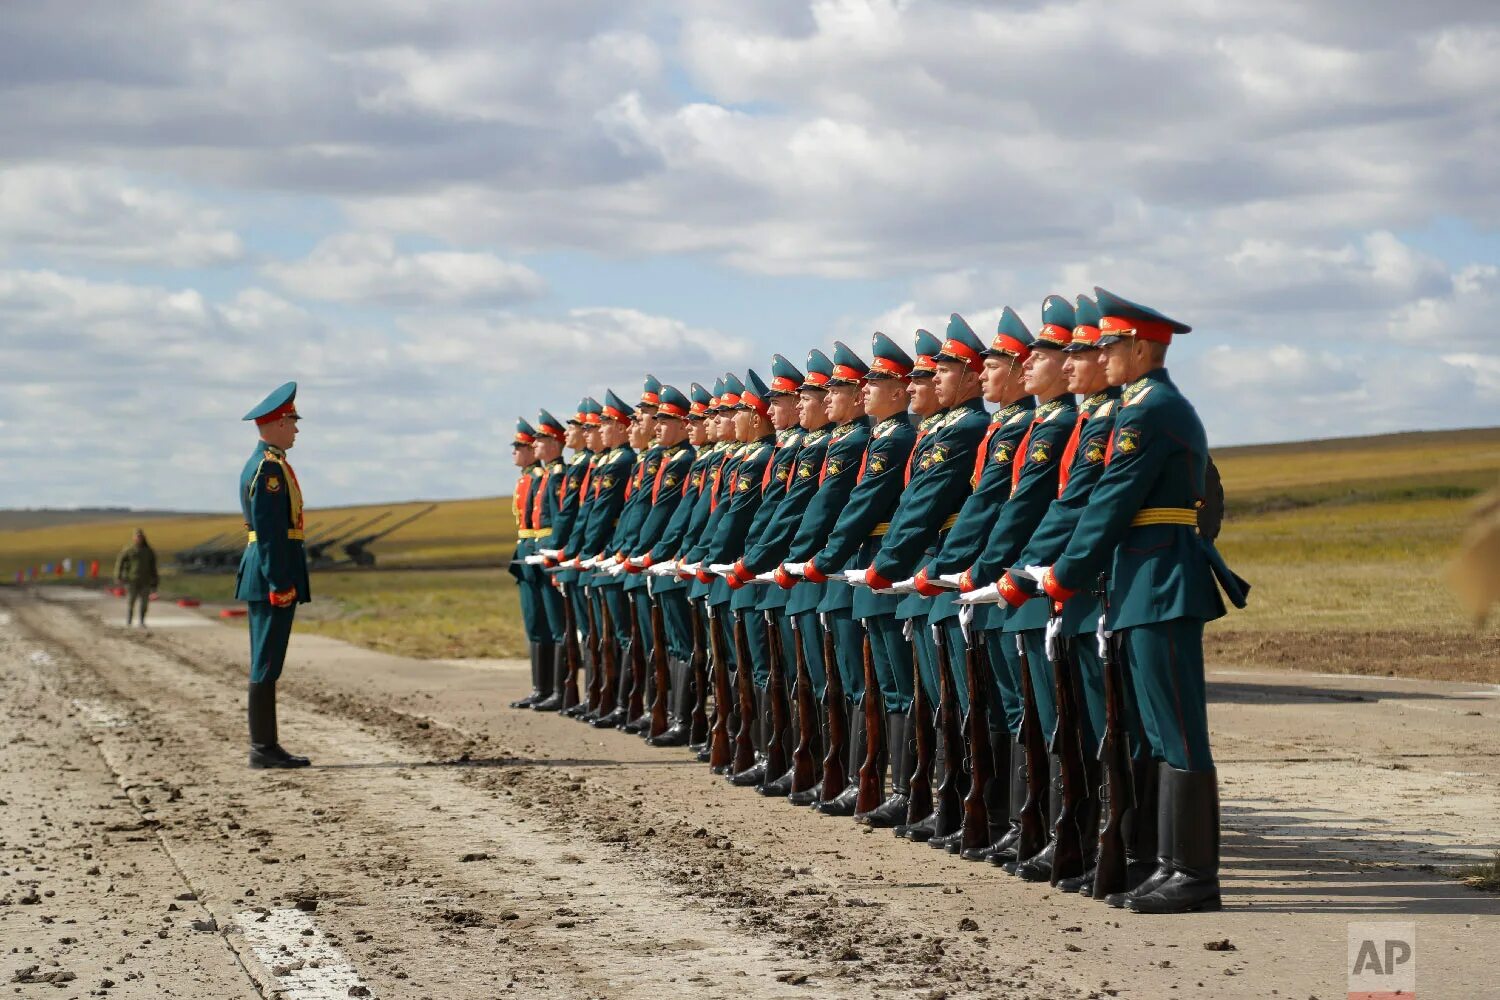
<point x="64" y="211"/>
<point x="367" y="267"/>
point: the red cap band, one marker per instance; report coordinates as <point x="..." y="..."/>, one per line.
<point x="1086" y="335"/>
<point x="672" y="409"/>
<point x="1144" y="329"/>
<point x="276" y="414"/>
<point x="755" y="403"/>
<point x="815" y="380"/>
<point x="889" y="367"/>
<point x="1054" y="334"/>
<point x="1006" y="344"/>
<point x="614" y="414"/>
<point x="960" y="351"/>
<point x="846" y="374"/>
<point x="780" y="383"/>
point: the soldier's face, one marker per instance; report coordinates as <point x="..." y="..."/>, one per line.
<point x="670" y="430"/>
<point x="955" y="383"/>
<point x="745" y="425"/>
<point x="614" y="433"/>
<point x="924" y="396"/>
<point x="593" y="438"/>
<point x="523" y="455"/>
<point x="1085" y="372"/>
<point x="280" y="433"/>
<point x="547" y="448"/>
<point x="1116" y="358"/>
<point x="783" y="412"/>
<point x="640" y="434"/>
<point x="646" y="417"/>
<point x="576" y="436"/>
<point x="1044" y="372"/>
<point x="812" y="408"/>
<point x="698" y="432"/>
<point x="1002" y="378"/>
<point x="844" y="403"/>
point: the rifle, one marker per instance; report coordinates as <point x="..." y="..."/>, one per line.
<point x="659" y="669"/>
<point x="719" y="753"/>
<point x="835" y="773"/>
<point x="1117" y="791"/>
<point x="744" y="744"/>
<point x="609" y="691"/>
<point x="698" y="668"/>
<point x="596" y="657"/>
<point x="919" y="785"/>
<point x="1067" y="859"/>
<point x="572" y="653"/>
<point x="633" y="693"/>
<point x="949" y="805"/>
<point x="872" y="769"/>
<point x="1033" y="818"/>
<point x="776" y="762"/>
<point x="804" y="756"/>
<point x="976" y="827"/>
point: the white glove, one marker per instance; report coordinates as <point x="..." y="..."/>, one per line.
<point x="589" y="563"/>
<point x="535" y="560"/>
<point x="1102" y="634"/>
<point x="1054" y="632"/>
<point x="689" y="568"/>
<point x="907" y="586"/>
<point x="854" y="577"/>
<point x="988" y="594"/>
<point x="794" y="568"/>
<point x="721" y="569"/>
<point x="550" y="553"/>
<point x="663" y="568"/>
<point x="949" y="580"/>
<point x="1037" y="573"/>
<point x="765" y="578"/>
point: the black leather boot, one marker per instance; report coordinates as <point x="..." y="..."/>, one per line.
<point x="814" y="795"/>
<point x="265" y="751"/>
<point x="996" y="797"/>
<point x="558" y="666"/>
<point x="1148" y="842"/>
<point x="1088" y="824"/>
<point x="843" y="803"/>
<point x="1004" y="851"/>
<point x="755" y="774"/>
<point x="586" y="669"/>
<point x="901" y="746"/>
<point x="1192" y="799"/>
<point x="1039" y="867"/>
<point x="536" y="682"/>
<point x="676" y="734"/>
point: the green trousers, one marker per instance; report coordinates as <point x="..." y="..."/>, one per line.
<point x="1166" y="671"/>
<point x="891" y="656"/>
<point x="270" y="630"/>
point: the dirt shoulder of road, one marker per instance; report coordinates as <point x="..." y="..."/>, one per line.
<point x="600" y="866"/>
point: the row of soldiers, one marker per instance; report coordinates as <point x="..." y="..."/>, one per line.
<point x="856" y="573"/>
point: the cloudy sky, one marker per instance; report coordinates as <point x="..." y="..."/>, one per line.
<point x="436" y="216"/>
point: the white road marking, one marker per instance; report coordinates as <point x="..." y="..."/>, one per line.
<point x="289" y="939"/>
<point x="101" y="714"/>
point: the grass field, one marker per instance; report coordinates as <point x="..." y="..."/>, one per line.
<point x="1344" y="542"/>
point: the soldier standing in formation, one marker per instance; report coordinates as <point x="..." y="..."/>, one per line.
<point x="811" y="551"/>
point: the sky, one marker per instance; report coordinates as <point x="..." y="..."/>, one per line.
<point x="436" y="217"/>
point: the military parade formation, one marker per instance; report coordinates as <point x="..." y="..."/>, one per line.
<point x="854" y="588"/>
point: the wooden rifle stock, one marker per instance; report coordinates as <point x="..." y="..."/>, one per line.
<point x="835" y="770"/>
<point x="698" y="670"/>
<point x="919" y="785"/>
<point x="976" y="827"/>
<point x="596" y="656"/>
<point x="1067" y="743"/>
<point x="871" y="768"/>
<point x="635" y="702"/>
<point x="1033" y="819"/>
<point x="662" y="681"/>
<point x="719" y="754"/>
<point x="1118" y="791"/>
<point x="744" y="745"/>
<point x="609" y="696"/>
<point x="804" y="755"/>
<point x="572" y="653"/>
<point x="776" y="762"/>
<point x="949" y="804"/>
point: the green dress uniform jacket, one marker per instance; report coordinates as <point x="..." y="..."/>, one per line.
<point x="991" y="482"/>
<point x="687" y="518"/>
<point x="274" y="557"/>
<point x="836" y="475"/>
<point x="607" y="485"/>
<point x="745" y="498"/>
<point x="777" y="494"/>
<point x="1158" y="459"/>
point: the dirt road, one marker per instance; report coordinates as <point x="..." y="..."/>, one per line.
<point x="447" y="847"/>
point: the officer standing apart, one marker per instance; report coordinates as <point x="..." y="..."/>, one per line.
<point x="272" y="577"/>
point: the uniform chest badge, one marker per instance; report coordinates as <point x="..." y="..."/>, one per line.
<point x="273" y="484"/>
<point x="1041" y="452"/>
<point x="1128" y="440"/>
